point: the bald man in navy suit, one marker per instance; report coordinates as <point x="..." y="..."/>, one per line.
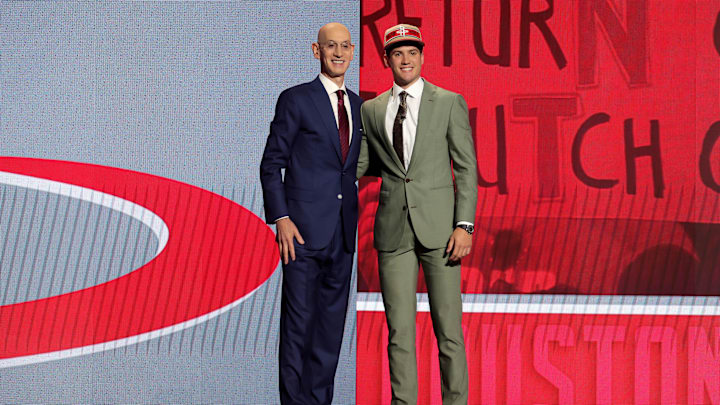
<point x="315" y="137"/>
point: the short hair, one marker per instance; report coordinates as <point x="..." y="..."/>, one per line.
<point x="397" y="44"/>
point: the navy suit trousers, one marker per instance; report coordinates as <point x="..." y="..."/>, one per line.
<point x="315" y="289"/>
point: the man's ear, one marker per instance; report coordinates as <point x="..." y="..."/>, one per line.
<point x="385" y="60"/>
<point x="316" y="50"/>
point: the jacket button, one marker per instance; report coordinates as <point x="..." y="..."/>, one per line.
<point x="404" y="208"/>
<point x="339" y="196"/>
<point x="408" y="180"/>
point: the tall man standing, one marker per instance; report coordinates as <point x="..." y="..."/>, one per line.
<point x="419" y="135"/>
<point x="315" y="137"/>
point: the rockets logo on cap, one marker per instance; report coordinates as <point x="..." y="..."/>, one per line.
<point x="403" y="32"/>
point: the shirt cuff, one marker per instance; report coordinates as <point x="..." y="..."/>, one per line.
<point x="286" y="216"/>
<point x="463" y="223"/>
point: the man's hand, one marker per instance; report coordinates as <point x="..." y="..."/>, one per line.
<point x="286" y="233"/>
<point x="459" y="244"/>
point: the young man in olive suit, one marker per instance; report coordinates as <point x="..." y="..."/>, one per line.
<point x="419" y="135"/>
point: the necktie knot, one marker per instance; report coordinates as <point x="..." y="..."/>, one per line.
<point x="403" y="97"/>
<point x="402" y="108"/>
<point x="341" y="97"/>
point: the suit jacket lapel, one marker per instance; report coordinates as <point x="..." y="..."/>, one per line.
<point x="327" y="116"/>
<point x="424" y="120"/>
<point x="380" y="111"/>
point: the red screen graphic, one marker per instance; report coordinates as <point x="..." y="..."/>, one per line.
<point x="596" y="126"/>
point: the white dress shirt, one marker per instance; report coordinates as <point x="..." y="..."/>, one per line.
<point x="331" y="89"/>
<point x="414" y="94"/>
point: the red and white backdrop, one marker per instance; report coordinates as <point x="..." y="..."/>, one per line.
<point x="595" y="270"/>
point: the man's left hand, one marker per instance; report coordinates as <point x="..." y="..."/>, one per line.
<point x="459" y="244"/>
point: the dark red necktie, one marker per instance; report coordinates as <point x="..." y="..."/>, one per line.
<point x="343" y="125"/>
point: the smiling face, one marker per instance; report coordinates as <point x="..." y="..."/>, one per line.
<point x="405" y="62"/>
<point x="334" y="50"/>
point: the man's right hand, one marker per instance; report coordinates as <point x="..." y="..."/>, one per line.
<point x="286" y="233"/>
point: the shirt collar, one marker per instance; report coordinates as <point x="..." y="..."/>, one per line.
<point x="414" y="91"/>
<point x="330" y="86"/>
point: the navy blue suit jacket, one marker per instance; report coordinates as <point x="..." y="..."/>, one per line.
<point x="318" y="187"/>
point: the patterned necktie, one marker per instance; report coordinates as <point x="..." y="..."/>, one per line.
<point x="398" y="128"/>
<point x="343" y="125"/>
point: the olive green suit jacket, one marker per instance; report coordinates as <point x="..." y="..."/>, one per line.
<point x="443" y="145"/>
